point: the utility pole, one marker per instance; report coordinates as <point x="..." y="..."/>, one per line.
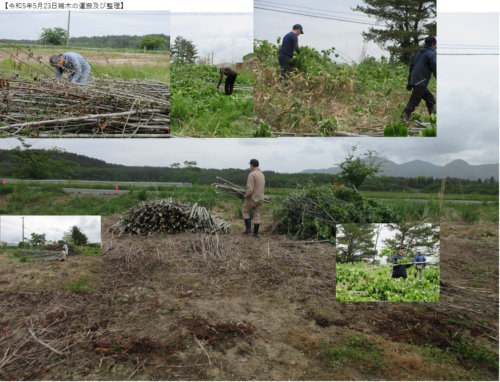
<point x="67" y="31"/>
<point x="23" y="228"/>
<point x="212" y="58"/>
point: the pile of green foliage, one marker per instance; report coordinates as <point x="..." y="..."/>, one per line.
<point x="313" y="212"/>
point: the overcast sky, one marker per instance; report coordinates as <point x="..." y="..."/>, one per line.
<point x="282" y="155"/>
<point x="385" y="234"/>
<point x="468" y="88"/>
<point x="28" y="25"/>
<point x="318" y="33"/>
<point x="228" y="35"/>
<point x="52" y="226"/>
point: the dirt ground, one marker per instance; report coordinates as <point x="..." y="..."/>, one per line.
<point x="16" y="276"/>
<point x="229" y="307"/>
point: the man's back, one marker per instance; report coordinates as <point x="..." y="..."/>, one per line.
<point x="288" y="44"/>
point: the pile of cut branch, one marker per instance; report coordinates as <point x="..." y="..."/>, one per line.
<point x="167" y="216"/>
<point x="231" y="189"/>
<point x="33" y="103"/>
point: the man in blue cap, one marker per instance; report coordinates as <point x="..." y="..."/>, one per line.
<point x="421" y="70"/>
<point x="289" y="45"/>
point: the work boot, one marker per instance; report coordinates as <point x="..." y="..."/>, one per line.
<point x="256" y="230"/>
<point x="248" y="226"/>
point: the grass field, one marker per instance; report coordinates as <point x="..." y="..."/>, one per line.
<point x="433" y="196"/>
<point x="200" y="110"/>
<point x="324" y="96"/>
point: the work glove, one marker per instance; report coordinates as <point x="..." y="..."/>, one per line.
<point x="409" y="87"/>
<point x="241" y="197"/>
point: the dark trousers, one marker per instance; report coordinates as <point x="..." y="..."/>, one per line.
<point x="229" y="84"/>
<point x="284" y="60"/>
<point x="418" y="94"/>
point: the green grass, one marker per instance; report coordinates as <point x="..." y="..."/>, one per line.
<point x="357" y="349"/>
<point x="200" y="110"/>
<point x="433" y="196"/>
<point x="91" y="252"/>
<point x="77" y="286"/>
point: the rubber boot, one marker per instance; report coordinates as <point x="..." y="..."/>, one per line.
<point x="248" y="226"/>
<point x="256" y="230"/>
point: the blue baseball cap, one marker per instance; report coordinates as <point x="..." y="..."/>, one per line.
<point x="298" y="26"/>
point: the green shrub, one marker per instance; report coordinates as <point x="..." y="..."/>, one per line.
<point x="469" y="213"/>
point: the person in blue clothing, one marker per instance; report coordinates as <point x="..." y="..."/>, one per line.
<point x="420" y="264"/>
<point x="399" y="271"/>
<point x="75" y="65"/>
<point x="421" y="70"/>
<point x="289" y="45"/>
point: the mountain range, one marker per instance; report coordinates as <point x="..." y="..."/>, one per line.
<point x="456" y="169"/>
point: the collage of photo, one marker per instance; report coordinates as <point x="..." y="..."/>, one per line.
<point x="224" y="191"/>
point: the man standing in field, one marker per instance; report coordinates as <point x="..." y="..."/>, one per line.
<point x="289" y="45"/>
<point x="230" y="79"/>
<point x="421" y="70"/>
<point x="420" y="264"/>
<point x="254" y="198"/>
<point x="399" y="271"/>
<point x="65" y="249"/>
<point x="75" y="65"/>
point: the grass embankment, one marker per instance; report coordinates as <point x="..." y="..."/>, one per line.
<point x="200" y="110"/>
<point x="324" y="96"/>
<point x="36" y="199"/>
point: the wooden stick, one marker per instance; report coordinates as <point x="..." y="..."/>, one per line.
<point x="202" y="348"/>
<point x="44" y="344"/>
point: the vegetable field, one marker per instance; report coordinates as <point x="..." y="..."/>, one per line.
<point x="327" y="98"/>
<point x="200" y="110"/>
<point x="359" y="282"/>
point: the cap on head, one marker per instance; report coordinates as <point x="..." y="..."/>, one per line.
<point x="298" y="26"/>
<point x="401" y="247"/>
<point x="430" y="40"/>
<point x="254" y="162"/>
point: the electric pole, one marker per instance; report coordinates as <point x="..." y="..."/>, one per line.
<point x="67" y="31"/>
<point x="212" y="58"/>
<point x="23" y="228"/>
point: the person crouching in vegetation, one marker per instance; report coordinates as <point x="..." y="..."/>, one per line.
<point x="420" y="264"/>
<point x="62" y="255"/>
<point x="399" y="270"/>
<point x="230" y="79"/>
<point x="254" y="198"/>
<point x="288" y="46"/>
<point x="421" y="70"/>
<point x="75" y="65"/>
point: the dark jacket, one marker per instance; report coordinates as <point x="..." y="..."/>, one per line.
<point x="419" y="258"/>
<point x="399" y="270"/>
<point x="422" y="67"/>
<point x="290" y="44"/>
<point x="228" y="72"/>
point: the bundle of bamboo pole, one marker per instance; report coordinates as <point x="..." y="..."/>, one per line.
<point x="165" y="215"/>
<point x="230" y="189"/>
<point x="33" y="103"/>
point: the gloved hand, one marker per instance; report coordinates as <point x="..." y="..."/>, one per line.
<point x="217" y="87"/>
<point x="409" y="87"/>
<point x="241" y="197"/>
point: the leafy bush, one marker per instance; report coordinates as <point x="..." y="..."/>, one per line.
<point x="314" y="211"/>
<point x="469" y="213"/>
<point x="5" y="190"/>
<point x="142" y="195"/>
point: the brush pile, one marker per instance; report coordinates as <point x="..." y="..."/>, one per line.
<point x="35" y="104"/>
<point x="171" y="217"/>
<point x="230" y="189"/>
<point x="39" y="255"/>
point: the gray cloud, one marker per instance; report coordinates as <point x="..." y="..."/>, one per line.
<point x="52" y="226"/>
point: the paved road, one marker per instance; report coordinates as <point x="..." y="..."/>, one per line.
<point x="454" y="201"/>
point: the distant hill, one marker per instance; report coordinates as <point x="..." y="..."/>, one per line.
<point x="456" y="169"/>
<point x="112" y="42"/>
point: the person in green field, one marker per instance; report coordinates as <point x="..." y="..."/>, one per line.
<point x="230" y="79"/>
<point x="399" y="270"/>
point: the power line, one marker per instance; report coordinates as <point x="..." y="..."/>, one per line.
<point x="316" y="9"/>
<point x="445" y="47"/>
<point x="319" y="17"/>
<point x="484" y="46"/>
<point x="467" y="54"/>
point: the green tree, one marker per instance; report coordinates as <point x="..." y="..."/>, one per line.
<point x="413" y="236"/>
<point x="66" y="238"/>
<point x="407" y="23"/>
<point x="183" y="51"/>
<point x="39" y="164"/>
<point x="248" y="56"/>
<point x="358" y="241"/>
<point x="152" y="43"/>
<point x="492" y="180"/>
<point x="37" y="239"/>
<point x="78" y="237"/>
<point x="355" y="170"/>
<point x="56" y="36"/>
